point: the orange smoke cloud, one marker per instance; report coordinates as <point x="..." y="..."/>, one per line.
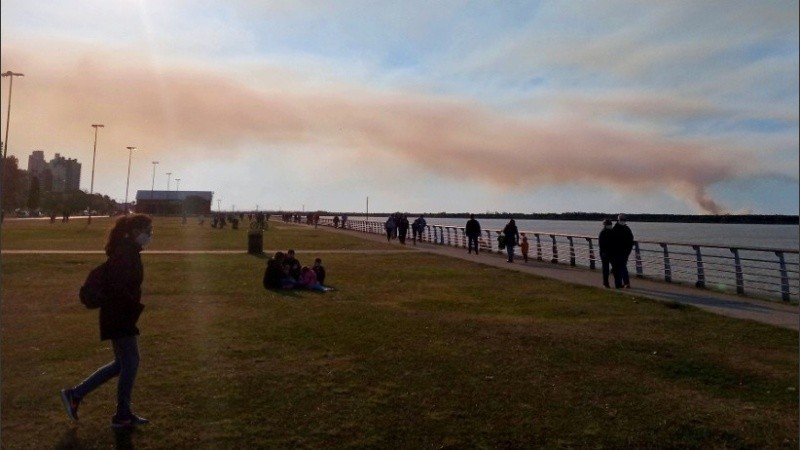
<point x="199" y="113"/>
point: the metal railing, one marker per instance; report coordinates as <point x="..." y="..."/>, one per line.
<point x="763" y="272"/>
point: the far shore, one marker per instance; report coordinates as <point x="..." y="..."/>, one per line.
<point x="756" y="219"/>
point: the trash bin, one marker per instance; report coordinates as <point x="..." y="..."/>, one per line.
<point x="255" y="239"/>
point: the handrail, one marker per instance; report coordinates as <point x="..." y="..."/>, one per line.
<point x="769" y="272"/>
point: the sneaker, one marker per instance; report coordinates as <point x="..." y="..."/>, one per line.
<point x="129" y="421"/>
<point x="71" y="403"/>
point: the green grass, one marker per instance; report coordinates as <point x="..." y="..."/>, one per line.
<point x="411" y="351"/>
<point x="171" y="234"/>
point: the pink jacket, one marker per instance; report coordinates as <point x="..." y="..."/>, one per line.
<point x="308" y="277"/>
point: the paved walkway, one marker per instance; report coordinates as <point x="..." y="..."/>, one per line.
<point x="769" y="312"/>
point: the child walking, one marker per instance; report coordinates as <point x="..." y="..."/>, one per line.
<point x="524" y="246"/>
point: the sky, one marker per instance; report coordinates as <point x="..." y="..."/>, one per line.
<point x="676" y="107"/>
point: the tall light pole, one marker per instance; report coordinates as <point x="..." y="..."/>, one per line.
<point x="178" y="183"/>
<point x="127" y="183"/>
<point x="10" y="76"/>
<point x="96" y="126"/>
<point x="153" y="184"/>
<point x="169" y="175"/>
<point x="219" y="205"/>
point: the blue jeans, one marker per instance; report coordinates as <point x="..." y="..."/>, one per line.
<point x="510" y="250"/>
<point x="125" y="365"/>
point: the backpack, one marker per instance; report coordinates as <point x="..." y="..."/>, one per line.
<point x="92" y="293"/>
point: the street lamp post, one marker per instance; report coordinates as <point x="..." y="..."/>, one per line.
<point x="96" y="126"/>
<point x="219" y="205"/>
<point x="153" y="184"/>
<point x="127" y="183"/>
<point x="178" y="184"/>
<point x="169" y="175"/>
<point x="10" y="76"/>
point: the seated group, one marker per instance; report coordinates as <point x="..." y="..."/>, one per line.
<point x="285" y="272"/>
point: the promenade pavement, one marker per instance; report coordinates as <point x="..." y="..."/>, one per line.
<point x="731" y="305"/>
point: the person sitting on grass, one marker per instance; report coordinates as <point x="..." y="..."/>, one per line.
<point x="319" y="271"/>
<point x="275" y="276"/>
<point x="308" y="280"/>
<point x="292" y="265"/>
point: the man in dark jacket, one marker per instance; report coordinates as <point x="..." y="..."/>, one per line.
<point x="473" y="232"/>
<point x="402" y="229"/>
<point x="606" y="243"/>
<point x="417" y="228"/>
<point x="291" y="265"/>
<point x="512" y="238"/>
<point x="623" y="244"/>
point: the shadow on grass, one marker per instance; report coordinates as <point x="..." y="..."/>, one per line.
<point x="285" y="292"/>
<point x="70" y="440"/>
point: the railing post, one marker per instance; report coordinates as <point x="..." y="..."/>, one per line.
<point x="449" y="241"/>
<point x="571" y="252"/>
<point x="591" y="254"/>
<point x="441" y="235"/>
<point x="554" y="259"/>
<point x="701" y="273"/>
<point x="538" y="247"/>
<point x="489" y="239"/>
<point x="638" y="257"/>
<point x="784" y="277"/>
<point x="463" y="238"/>
<point x="739" y="275"/>
<point x="667" y="267"/>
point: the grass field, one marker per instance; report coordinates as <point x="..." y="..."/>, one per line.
<point x="411" y="351"/>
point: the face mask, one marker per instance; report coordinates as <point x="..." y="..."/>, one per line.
<point x="143" y="239"/>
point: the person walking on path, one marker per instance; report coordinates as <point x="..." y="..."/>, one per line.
<point x="606" y="243"/>
<point x="623" y="244"/>
<point x="417" y="228"/>
<point x="391" y="228"/>
<point x="524" y="247"/>
<point x="402" y="229"/>
<point x="473" y="232"/>
<point x="119" y="314"/>
<point x="511" y="238"/>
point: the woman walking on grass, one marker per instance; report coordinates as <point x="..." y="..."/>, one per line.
<point x="118" y="316"/>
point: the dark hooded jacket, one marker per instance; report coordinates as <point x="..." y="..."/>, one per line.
<point x="120" y="312"/>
